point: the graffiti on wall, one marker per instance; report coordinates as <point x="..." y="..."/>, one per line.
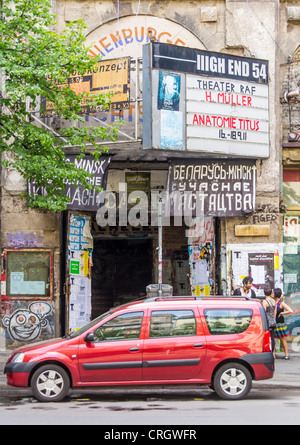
<point x="20" y="239"/>
<point x="26" y="324"/>
<point x="266" y="213"/>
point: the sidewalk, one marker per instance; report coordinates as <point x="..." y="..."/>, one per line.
<point x="287" y="375"/>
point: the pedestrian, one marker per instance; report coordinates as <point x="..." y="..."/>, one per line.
<point x="270" y="308"/>
<point x="281" y="329"/>
<point x="245" y="290"/>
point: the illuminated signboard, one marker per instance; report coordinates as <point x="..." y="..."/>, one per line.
<point x="207" y="102"/>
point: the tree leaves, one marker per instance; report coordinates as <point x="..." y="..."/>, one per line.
<point x="36" y="62"/>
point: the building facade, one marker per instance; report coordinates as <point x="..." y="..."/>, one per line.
<point x="290" y="102"/>
<point x="59" y="270"/>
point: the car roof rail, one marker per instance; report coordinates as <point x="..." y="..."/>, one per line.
<point x="193" y="297"/>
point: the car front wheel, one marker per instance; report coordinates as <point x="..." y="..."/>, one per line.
<point x="50" y="383"/>
<point x="232" y="381"/>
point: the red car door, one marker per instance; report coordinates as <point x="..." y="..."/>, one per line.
<point x="175" y="346"/>
<point x="115" y="352"/>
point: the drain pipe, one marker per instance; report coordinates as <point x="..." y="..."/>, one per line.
<point x="160" y="268"/>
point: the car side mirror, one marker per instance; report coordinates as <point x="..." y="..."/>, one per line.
<point x="89" y="337"/>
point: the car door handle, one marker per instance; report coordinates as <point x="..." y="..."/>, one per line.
<point x="198" y="345"/>
<point x="134" y="349"/>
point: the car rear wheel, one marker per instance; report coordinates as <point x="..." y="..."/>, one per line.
<point x="232" y="381"/>
<point x="50" y="383"/>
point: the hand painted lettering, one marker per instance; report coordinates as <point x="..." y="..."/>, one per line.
<point x="225" y="122"/>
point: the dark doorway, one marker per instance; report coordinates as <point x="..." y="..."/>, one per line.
<point x="122" y="268"/>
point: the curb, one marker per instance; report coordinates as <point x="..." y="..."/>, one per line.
<point x="276" y="385"/>
<point x="9" y="391"/>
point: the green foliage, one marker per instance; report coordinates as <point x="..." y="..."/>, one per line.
<point x="31" y="54"/>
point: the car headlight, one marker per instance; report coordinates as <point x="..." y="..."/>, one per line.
<point x="18" y="358"/>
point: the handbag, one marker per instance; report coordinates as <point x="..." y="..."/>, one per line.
<point x="271" y="315"/>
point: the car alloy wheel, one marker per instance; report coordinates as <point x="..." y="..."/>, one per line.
<point x="232" y="381"/>
<point x="50" y="383"/>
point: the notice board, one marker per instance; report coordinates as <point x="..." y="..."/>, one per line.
<point x="27" y="274"/>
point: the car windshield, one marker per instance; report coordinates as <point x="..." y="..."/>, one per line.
<point x="89" y="325"/>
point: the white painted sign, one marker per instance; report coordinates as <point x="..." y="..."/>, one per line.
<point x="227" y="116"/>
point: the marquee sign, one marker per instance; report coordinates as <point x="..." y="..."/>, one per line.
<point x="205" y="102"/>
<point x="197" y="61"/>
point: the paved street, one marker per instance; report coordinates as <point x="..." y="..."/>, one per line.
<point x="159" y="405"/>
<point x="201" y="407"/>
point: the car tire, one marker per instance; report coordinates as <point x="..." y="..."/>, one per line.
<point x="232" y="381"/>
<point x="50" y="383"/>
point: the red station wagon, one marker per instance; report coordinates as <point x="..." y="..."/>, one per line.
<point x="221" y="342"/>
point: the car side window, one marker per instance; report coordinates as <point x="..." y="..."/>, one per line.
<point x="227" y="321"/>
<point x="171" y="323"/>
<point x="123" y="327"/>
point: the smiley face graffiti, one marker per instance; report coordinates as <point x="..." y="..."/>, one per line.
<point x="26" y="324"/>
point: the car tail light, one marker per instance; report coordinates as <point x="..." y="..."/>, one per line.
<point x="267" y="342"/>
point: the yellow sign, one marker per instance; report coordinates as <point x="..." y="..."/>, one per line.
<point x="276" y="261"/>
<point x="201" y="291"/>
<point x="85" y="263"/>
<point x="109" y="76"/>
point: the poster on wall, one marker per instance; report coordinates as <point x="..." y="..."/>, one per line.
<point x="200" y="244"/>
<point x="263" y="267"/>
<point x="80" y="245"/>
<point x="168" y="91"/>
